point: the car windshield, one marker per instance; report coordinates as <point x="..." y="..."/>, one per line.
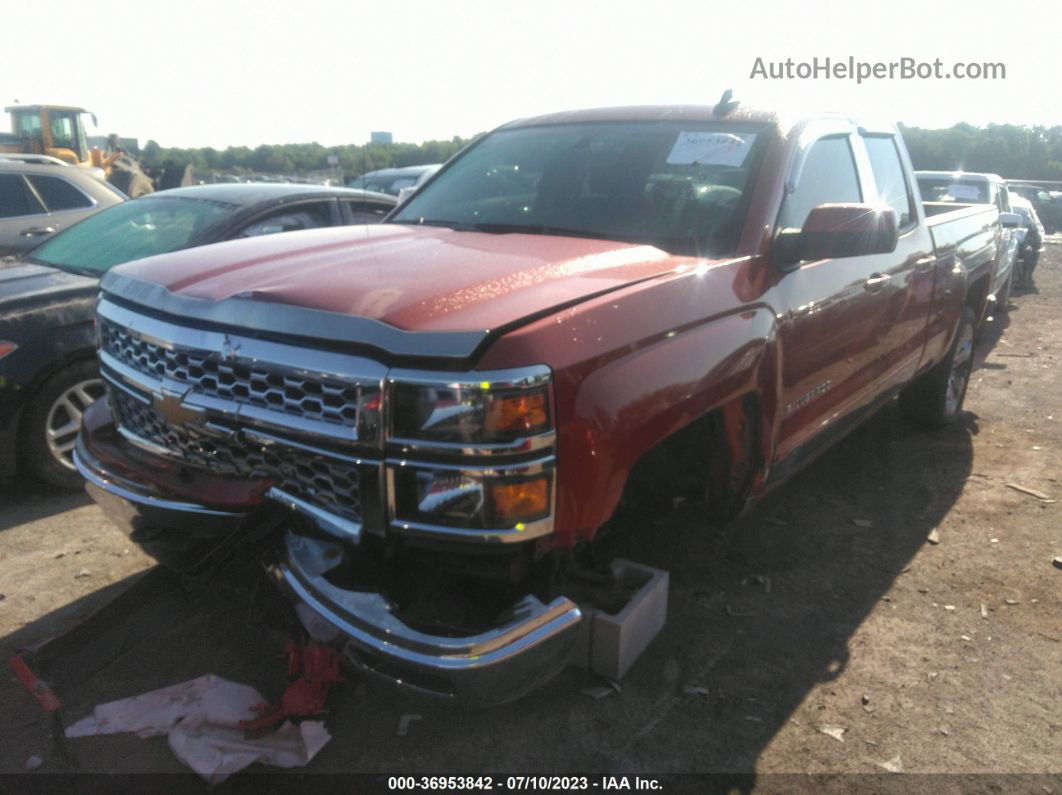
<point x="129" y="231"/>
<point x="937" y="189"/>
<point x="679" y="185"/>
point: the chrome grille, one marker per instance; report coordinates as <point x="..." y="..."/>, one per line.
<point x="330" y="483"/>
<point x="242" y="381"/>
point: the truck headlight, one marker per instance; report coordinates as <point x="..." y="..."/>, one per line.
<point x="491" y="498"/>
<point x="499" y="407"/>
<point x="465" y="442"/>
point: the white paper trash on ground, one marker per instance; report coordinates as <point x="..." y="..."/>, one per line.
<point x="201" y="716"/>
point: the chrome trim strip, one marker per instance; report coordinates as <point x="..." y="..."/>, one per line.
<point x="531" y="531"/>
<point x="343" y="529"/>
<point x="526" y="444"/>
<point x="516" y="378"/>
<point x="146" y="444"/>
<point x="535" y="467"/>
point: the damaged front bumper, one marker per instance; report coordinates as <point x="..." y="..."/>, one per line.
<point x="529" y="644"/>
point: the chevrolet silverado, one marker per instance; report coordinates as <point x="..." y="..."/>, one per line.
<point x="429" y="420"/>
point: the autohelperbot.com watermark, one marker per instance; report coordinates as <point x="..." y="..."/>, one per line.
<point x="850" y="68"/>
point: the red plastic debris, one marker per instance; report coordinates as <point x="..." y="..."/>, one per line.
<point x="41" y="691"/>
<point x="312" y="670"/>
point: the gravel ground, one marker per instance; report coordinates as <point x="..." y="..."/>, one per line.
<point x="893" y="608"/>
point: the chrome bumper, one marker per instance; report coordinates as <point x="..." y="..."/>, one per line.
<point x="493" y="667"/>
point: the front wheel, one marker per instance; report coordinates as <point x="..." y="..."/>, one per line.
<point x="53" y="420"/>
<point x="935" y="398"/>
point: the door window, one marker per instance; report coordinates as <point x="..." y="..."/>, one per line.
<point x="58" y="194"/>
<point x="890" y="178"/>
<point x="367" y="212"/>
<point x="290" y="219"/>
<point x="829" y="177"/>
<point x="15" y="198"/>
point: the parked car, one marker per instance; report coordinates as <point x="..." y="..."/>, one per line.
<point x="1047" y="203"/>
<point x="393" y="180"/>
<point x="39" y="198"/>
<point x="48" y="370"/>
<point x="959" y="188"/>
<point x="440" y="415"/>
<point x="1033" y="244"/>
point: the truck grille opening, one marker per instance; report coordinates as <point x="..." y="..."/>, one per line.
<point x="329" y="483"/>
<point x="239" y="381"/>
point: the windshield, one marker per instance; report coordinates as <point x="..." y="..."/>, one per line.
<point x="937" y="189"/>
<point x="129" y="231"/>
<point x="682" y="186"/>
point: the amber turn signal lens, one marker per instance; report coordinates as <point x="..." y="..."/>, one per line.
<point x="6" y="348"/>
<point x="516" y="502"/>
<point x="519" y="413"/>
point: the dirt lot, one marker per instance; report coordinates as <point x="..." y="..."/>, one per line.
<point x="830" y="607"/>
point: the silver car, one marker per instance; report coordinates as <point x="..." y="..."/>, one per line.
<point x="39" y="197"/>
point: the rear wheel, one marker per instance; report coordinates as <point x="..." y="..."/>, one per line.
<point x="51" y="424"/>
<point x="936" y="397"/>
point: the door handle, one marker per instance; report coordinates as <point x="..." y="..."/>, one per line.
<point x="37" y="231"/>
<point x="876" y="282"/>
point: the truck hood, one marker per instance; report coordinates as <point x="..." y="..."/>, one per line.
<point x="25" y="287"/>
<point x="411" y="278"/>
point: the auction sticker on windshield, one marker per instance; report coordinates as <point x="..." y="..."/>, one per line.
<point x="711" y="148"/>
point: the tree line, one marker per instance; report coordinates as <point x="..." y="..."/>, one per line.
<point x="294" y="159"/>
<point x="1006" y="149"/>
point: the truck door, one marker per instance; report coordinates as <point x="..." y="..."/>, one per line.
<point x="906" y="296"/>
<point x="830" y="331"/>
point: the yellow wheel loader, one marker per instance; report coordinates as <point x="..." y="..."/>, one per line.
<point x="59" y="131"/>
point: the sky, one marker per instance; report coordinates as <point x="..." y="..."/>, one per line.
<point x="228" y="72"/>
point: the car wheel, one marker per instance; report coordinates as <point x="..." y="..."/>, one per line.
<point x="935" y="398"/>
<point x="51" y="424"/>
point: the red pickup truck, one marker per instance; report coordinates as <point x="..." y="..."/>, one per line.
<point x="430" y="419"/>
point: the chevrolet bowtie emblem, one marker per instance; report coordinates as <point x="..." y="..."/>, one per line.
<point x="173" y="409"/>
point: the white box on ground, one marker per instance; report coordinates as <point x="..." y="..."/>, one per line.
<point x="608" y="644"/>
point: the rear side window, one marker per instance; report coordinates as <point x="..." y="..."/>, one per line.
<point x="15" y="198"/>
<point x="290" y="219"/>
<point x="829" y="177"/>
<point x="367" y="212"/>
<point x="58" y="194"/>
<point x="889" y="177"/>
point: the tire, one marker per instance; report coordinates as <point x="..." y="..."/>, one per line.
<point x="51" y="423"/>
<point x="935" y="398"/>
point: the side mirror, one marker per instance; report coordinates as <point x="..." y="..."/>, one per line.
<point x="832" y="231"/>
<point x="1009" y="220"/>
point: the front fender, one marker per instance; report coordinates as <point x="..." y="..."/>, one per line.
<point x="625" y="408"/>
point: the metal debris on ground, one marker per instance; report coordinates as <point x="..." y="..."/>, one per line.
<point x="405" y="721"/>
<point x="862" y="523"/>
<point x="1057" y="562"/>
<point x="865" y="699"/>
<point x="1011" y="602"/>
<point x="83" y="573"/>
<point x="949" y="607"/>
<point x="695" y="690"/>
<point x="597" y="693"/>
<point x="1031" y="492"/>
<point x="615" y="685"/>
<point x="934" y="536"/>
<point x="894" y="765"/>
<point x="984" y="611"/>
<point x="836" y="732"/>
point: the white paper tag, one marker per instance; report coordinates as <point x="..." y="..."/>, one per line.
<point x="711" y="148"/>
<point x="968" y="193"/>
